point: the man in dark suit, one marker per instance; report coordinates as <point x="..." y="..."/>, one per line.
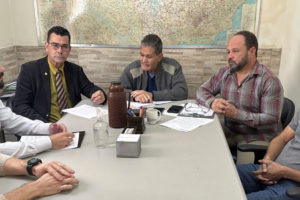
<point x="38" y="95"/>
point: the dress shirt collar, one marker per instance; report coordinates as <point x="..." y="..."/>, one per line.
<point x="257" y="70"/>
<point x="54" y="69"/>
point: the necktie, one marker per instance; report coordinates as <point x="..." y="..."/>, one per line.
<point x="61" y="94"/>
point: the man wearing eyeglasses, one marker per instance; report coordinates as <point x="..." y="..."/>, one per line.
<point x="55" y="135"/>
<point x="47" y="86"/>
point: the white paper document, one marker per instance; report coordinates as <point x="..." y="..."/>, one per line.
<point x="36" y="138"/>
<point x="74" y="143"/>
<point x="186" y="124"/>
<point x="134" y="104"/>
<point x="84" y="111"/>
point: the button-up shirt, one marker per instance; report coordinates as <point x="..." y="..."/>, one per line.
<point x="258" y="98"/>
<point x="55" y="111"/>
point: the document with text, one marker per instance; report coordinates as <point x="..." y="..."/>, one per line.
<point x="84" y="111"/>
<point x="186" y="124"/>
<point x="35" y="139"/>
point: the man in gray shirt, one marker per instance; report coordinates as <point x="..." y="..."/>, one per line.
<point x="154" y="77"/>
<point x="280" y="168"/>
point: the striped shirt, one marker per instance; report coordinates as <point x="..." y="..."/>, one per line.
<point x="259" y="100"/>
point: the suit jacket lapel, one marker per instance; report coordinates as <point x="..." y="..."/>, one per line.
<point x="45" y="74"/>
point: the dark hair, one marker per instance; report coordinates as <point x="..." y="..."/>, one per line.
<point x="154" y="41"/>
<point x="58" y="30"/>
<point x="250" y="40"/>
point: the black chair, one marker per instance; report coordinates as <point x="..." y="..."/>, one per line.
<point x="10" y="102"/>
<point x="2" y="136"/>
<point x="287" y="115"/>
<point x="293" y="192"/>
<point x="288" y="111"/>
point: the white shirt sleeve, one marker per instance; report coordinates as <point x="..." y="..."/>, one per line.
<point x="26" y="149"/>
<point x="16" y="124"/>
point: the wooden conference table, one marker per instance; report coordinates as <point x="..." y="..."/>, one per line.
<point x="173" y="165"/>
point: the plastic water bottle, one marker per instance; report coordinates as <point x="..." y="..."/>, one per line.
<point x="100" y="128"/>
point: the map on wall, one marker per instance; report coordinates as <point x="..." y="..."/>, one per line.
<point x="125" y="22"/>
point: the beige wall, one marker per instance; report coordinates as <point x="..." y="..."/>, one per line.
<point x="24" y="22"/>
<point x="272" y="22"/>
<point x="289" y="72"/>
<point x="6" y="31"/>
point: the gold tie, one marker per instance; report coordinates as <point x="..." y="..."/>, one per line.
<point x="60" y="91"/>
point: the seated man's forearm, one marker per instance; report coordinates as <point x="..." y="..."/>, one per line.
<point x="292" y="174"/>
<point x="14" y="166"/>
<point x="25" y="192"/>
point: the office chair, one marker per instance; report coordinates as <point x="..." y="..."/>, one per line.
<point x="287" y="114"/>
<point x="10" y="102"/>
<point x="2" y="136"/>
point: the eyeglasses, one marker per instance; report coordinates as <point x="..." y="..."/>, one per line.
<point x="56" y="46"/>
<point x="192" y="107"/>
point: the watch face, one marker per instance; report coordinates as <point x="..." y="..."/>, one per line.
<point x="33" y="161"/>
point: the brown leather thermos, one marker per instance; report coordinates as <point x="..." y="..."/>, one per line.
<point x="116" y="105"/>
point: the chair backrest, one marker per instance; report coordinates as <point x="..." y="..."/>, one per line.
<point x="10" y="102"/>
<point x="288" y="111"/>
<point x="2" y="136"/>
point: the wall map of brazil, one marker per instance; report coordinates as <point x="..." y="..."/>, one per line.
<point x="125" y="22"/>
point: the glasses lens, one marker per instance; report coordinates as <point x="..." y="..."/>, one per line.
<point x="56" y="46"/>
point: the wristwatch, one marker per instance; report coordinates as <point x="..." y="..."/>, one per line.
<point x="30" y="163"/>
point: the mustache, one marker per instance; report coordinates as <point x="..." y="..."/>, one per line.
<point x="230" y="60"/>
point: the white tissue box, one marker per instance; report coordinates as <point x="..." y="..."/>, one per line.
<point x="128" y="145"/>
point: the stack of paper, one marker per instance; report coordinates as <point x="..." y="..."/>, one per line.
<point x="134" y="104"/>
